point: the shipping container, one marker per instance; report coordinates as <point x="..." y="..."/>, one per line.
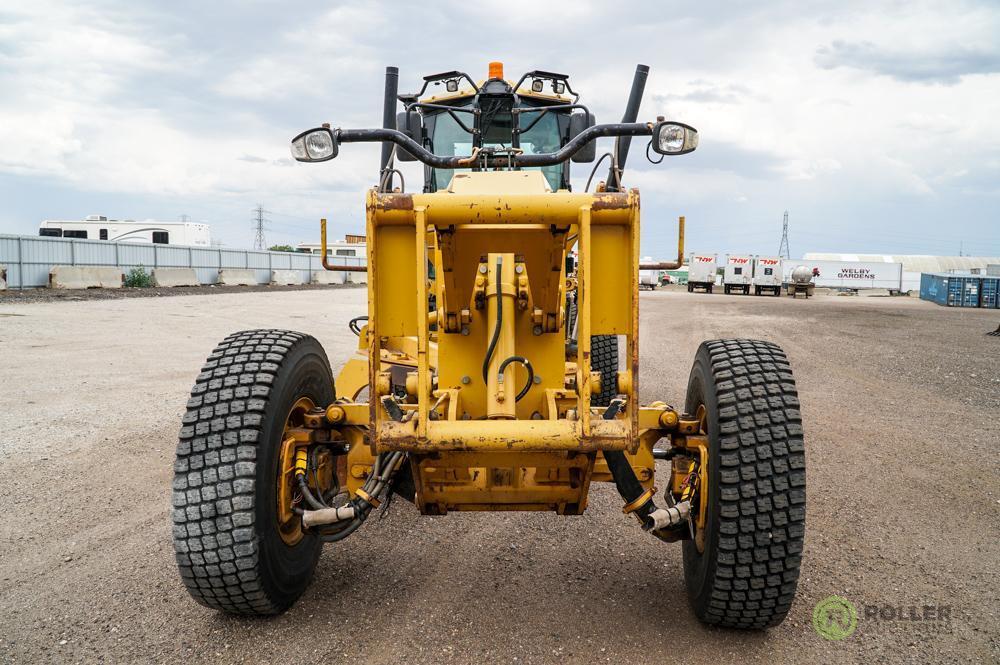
<point x="767" y="275"/>
<point x="989" y="292"/>
<point x="738" y="273"/>
<point x="701" y="272"/>
<point x="854" y="274"/>
<point x="951" y="290"/>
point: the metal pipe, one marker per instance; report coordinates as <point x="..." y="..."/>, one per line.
<point x="322" y="249"/>
<point x="631" y="113"/>
<point x="670" y="265"/>
<point x="388" y="120"/>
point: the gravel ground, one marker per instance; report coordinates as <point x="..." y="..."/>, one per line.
<point x="900" y="401"/>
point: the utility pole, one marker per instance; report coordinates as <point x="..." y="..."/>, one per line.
<point x="185" y="218"/>
<point x="258" y="222"/>
<point x="783" y="251"/>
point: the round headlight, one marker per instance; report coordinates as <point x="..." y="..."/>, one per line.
<point x="671" y="138"/>
<point x="319" y="145"/>
<point x="674" y="138"/>
<point x="315" y="145"/>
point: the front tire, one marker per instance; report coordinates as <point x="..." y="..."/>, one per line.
<point x="747" y="572"/>
<point x="229" y="549"/>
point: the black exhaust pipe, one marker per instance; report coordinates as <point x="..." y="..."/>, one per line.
<point x="622" y="143"/>
<point x="388" y="122"/>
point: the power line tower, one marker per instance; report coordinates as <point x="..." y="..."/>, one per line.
<point x="258" y="223"/>
<point x="783" y="251"/>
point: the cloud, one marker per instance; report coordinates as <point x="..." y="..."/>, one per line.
<point x="947" y="67"/>
<point x="188" y="107"/>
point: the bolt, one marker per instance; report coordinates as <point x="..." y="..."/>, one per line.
<point x="536" y="331"/>
<point x="536" y="416"/>
<point x="537" y="379"/>
<point x="466" y="380"/>
<point x="465" y="330"/>
<point x="519" y="268"/>
<point x="483" y="268"/>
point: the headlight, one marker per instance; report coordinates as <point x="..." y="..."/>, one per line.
<point x="674" y="138"/>
<point x="314" y="145"/>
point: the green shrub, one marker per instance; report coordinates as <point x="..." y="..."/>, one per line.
<point x="138" y="278"/>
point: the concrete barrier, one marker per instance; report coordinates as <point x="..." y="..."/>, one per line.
<point x="327" y="277"/>
<point x="85" y="277"/>
<point x="286" y="277"/>
<point x="356" y="277"/>
<point x="3" y="278"/>
<point x="175" y="277"/>
<point x="237" y="277"/>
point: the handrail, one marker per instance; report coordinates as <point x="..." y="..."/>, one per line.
<point x="322" y="248"/>
<point x="670" y="265"/>
<point x="450" y="162"/>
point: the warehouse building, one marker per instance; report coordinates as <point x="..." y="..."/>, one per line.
<point x="913" y="264"/>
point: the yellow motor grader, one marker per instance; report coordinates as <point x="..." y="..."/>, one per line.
<point x="487" y="374"/>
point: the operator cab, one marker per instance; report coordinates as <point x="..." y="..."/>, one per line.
<point x="495" y="118"/>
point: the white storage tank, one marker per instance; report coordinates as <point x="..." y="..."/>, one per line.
<point x="701" y="272"/>
<point x="738" y="273"/>
<point x="767" y="275"/>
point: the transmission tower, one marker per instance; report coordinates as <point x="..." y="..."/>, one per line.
<point x="258" y="223"/>
<point x="783" y="249"/>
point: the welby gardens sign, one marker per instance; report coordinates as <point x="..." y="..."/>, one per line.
<point x="855" y="274"/>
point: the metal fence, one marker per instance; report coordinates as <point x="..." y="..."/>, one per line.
<point x="28" y="259"/>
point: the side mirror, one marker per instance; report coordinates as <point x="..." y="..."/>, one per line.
<point x="577" y="123"/>
<point x="411" y="124"/>
<point x="315" y="145"/>
<point x="674" y="138"/>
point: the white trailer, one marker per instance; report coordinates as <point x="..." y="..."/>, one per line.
<point x="99" y="227"/>
<point x="855" y="274"/>
<point x="738" y="273"/>
<point x="701" y="272"/>
<point x="767" y="275"/>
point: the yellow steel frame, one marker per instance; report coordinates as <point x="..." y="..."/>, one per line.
<point x="472" y="447"/>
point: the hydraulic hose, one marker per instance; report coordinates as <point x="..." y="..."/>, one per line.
<point x="496" y="329"/>
<point x="628" y="485"/>
<point x="329" y="527"/>
<point x="527" y="365"/>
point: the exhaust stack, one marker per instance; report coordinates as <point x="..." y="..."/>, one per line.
<point x="622" y="143"/>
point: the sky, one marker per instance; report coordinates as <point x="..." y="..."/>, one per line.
<point x="873" y="124"/>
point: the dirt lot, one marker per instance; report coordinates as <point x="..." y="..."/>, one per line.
<point x="900" y="400"/>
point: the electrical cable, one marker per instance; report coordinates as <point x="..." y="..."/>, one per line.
<point x="596" y="166"/>
<point x="650" y="159"/>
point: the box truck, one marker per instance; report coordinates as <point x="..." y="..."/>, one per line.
<point x="738" y="273"/>
<point x="701" y="272"/>
<point x="767" y="275"/>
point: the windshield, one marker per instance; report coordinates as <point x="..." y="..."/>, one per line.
<point x="448" y="138"/>
<point x="543" y="137"/>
